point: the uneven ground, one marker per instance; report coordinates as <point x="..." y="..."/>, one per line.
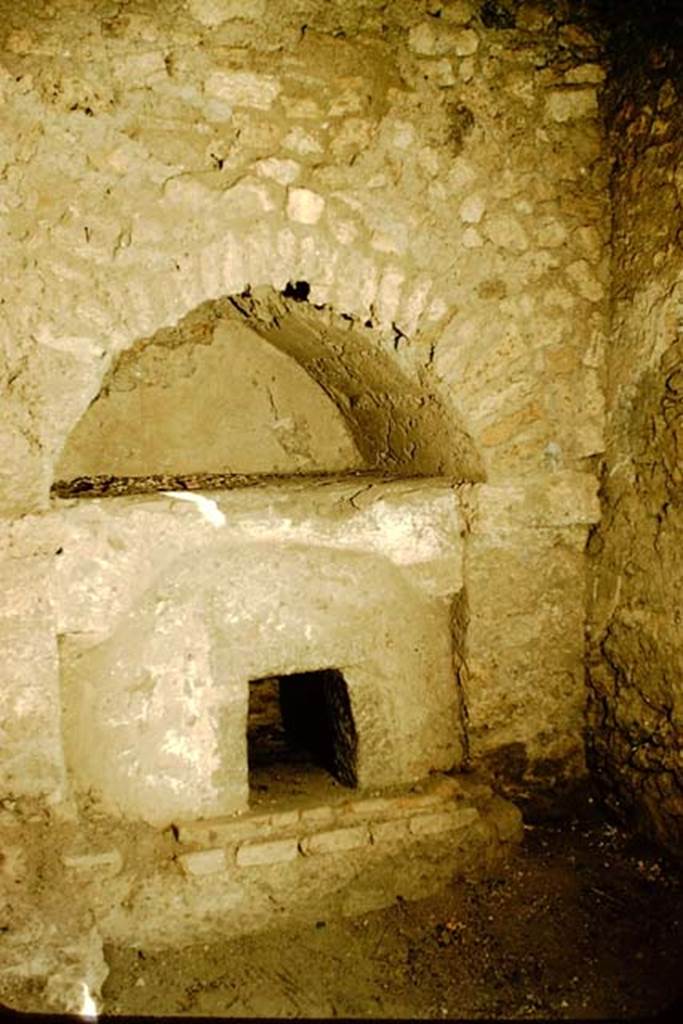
<point x="583" y="923"/>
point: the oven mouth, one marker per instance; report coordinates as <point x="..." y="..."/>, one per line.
<point x="301" y="735"/>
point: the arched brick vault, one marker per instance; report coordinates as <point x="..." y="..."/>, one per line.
<point x="399" y="424"/>
<point x="179" y="181"/>
<point x="480" y="379"/>
<point x="397" y="420"/>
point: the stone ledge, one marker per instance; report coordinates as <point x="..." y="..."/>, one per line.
<point x="148" y="531"/>
<point x="446" y="796"/>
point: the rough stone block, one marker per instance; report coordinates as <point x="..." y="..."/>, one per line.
<point x="561" y="498"/>
<point x="433" y="39"/>
<point x="203" y="862"/>
<point x="585" y="74"/>
<point x="472" y="209"/>
<point x="244" y="88"/>
<point x="304" y="206"/>
<point x="586" y="281"/>
<point x="284" y="172"/>
<point x="571" y="104"/>
<point x="278" y="851"/>
<point x="336" y="841"/>
<point x="506" y="232"/>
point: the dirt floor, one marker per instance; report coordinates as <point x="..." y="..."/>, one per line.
<point x="584" y="923"/>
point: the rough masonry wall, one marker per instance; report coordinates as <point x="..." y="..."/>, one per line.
<point x="433" y="171"/>
<point x="636" y="643"/>
<point x="419" y="165"/>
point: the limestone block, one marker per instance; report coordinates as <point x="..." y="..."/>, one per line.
<point x="564" y="105"/>
<point x="412" y="307"/>
<point x="467" y="69"/>
<point x="585" y="74"/>
<point x="285" y="172"/>
<point x="551" y="233"/>
<point x="304" y="206"/>
<point x="586" y="282"/>
<point x="545" y="501"/>
<point x="298" y="140"/>
<point x="277" y="851"/>
<point x="590" y="242"/>
<point x="424" y="39"/>
<point x="389" y="294"/>
<point x="440" y="72"/>
<point x="465" y="43"/>
<point x="336" y="841"/>
<point x="433" y="39"/>
<point x="244" y="88"/>
<point x="506" y="231"/>
<point x="526" y="642"/>
<point x="357" y="277"/>
<point x="472" y="209"/>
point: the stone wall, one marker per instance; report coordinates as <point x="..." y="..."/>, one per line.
<point x="419" y="170"/>
<point x="636" y="635"/>
<point x="430" y="175"/>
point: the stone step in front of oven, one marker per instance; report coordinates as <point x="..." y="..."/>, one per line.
<point x="443" y="806"/>
<point x="361" y="855"/>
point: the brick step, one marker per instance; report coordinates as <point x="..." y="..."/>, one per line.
<point x="440" y="806"/>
